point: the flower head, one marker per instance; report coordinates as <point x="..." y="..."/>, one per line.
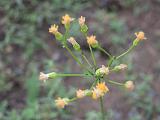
<point x="53" y="29"/>
<point x="97" y="93"/>
<point x="121" y="67"/>
<point x="81" y="20"/>
<point x="80" y="93"/>
<point x="129" y="85"/>
<point x="140" y="35"/>
<point x="72" y="41"/>
<point x="43" y="76"/>
<point x="102" y="87"/>
<point x="76" y="46"/>
<point x="91" y="40"/>
<point x="61" y="102"/>
<point x="102" y="71"/>
<point x="66" y="19"/>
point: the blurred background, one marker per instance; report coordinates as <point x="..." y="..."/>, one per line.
<point x="26" y="48"/>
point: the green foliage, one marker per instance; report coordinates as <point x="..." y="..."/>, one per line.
<point x="118" y="30"/>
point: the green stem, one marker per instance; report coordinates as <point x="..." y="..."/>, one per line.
<point x="111" y="61"/>
<point x="103" y="50"/>
<point x="93" y="57"/>
<point x="125" y="52"/>
<point x="102" y="108"/>
<point x="94" y="82"/>
<point x="116" y="83"/>
<point x="74" y="57"/>
<point x="84" y="57"/>
<point x="73" y="99"/>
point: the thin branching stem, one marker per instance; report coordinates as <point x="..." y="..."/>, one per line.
<point x="103" y="50"/>
<point x="85" y="58"/>
<point x="116" y="83"/>
<point x="93" y="57"/>
<point x="73" y="75"/>
<point x="123" y="54"/>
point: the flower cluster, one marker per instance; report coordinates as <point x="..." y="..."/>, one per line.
<point x="99" y="85"/>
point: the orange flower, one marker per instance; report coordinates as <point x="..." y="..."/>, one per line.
<point x="66" y="19"/>
<point x="61" y="102"/>
<point x="53" y="29"/>
<point x="91" y="40"/>
<point x="102" y="87"/>
<point x="140" y="35"/>
<point x="97" y="93"/>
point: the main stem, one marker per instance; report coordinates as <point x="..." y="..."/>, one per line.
<point x="102" y="108"/>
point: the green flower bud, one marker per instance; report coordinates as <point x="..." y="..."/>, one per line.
<point x="77" y="47"/>
<point x="52" y="75"/>
<point x="59" y="36"/>
<point x="135" y="42"/>
<point x="84" y="28"/>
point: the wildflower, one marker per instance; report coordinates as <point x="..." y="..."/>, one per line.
<point x="129" y="85"/>
<point x="121" y="67"/>
<point x="97" y="93"/>
<point x="91" y="40"/>
<point x="80" y="93"/>
<point x="102" y="71"/>
<point x="61" y="102"/>
<point x="74" y="43"/>
<point x="66" y="19"/>
<point x="53" y="29"/>
<point x="102" y="87"/>
<point x="81" y="21"/>
<point x="140" y="35"/>
<point x="43" y="76"/>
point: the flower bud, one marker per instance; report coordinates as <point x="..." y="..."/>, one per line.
<point x="81" y="21"/>
<point x="120" y="67"/>
<point x="129" y="85"/>
<point x="84" y="28"/>
<point x="140" y="36"/>
<point x="43" y="76"/>
<point x="52" y="75"/>
<point x="61" y="102"/>
<point x="80" y="93"/>
<point x="76" y="46"/>
<point x="59" y="36"/>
